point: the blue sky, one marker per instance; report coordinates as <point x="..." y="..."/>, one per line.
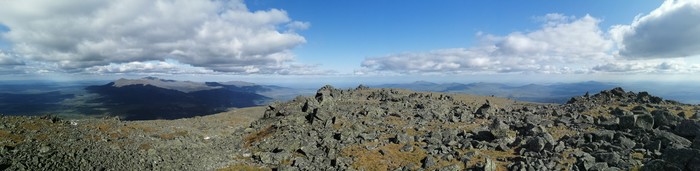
<point x="352" y="41"/>
<point x="4" y="45"/>
<point x="349" y="31"/>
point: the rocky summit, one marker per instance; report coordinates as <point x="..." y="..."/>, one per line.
<point x="376" y="129"/>
<point x="390" y="129"/>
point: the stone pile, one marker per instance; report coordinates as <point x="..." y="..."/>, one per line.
<point x="370" y="129"/>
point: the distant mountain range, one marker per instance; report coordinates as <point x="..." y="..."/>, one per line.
<point x="553" y="93"/>
<point x="154" y="98"/>
<point x="143" y="99"/>
<point x="12" y="103"/>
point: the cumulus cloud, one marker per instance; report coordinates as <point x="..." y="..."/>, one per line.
<point x="298" y="25"/>
<point x="175" y="67"/>
<point x="300" y="69"/>
<point x="7" y="59"/>
<point x="433" y="61"/>
<point x="564" y="44"/>
<point x="223" y="36"/>
<point x="623" y="67"/>
<point x="648" y="66"/>
<point x="149" y="67"/>
<point x="669" y="31"/>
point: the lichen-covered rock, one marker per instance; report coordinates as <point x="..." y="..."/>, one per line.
<point x="669" y="140"/>
<point x="665" y="119"/>
<point x="658" y="164"/>
<point x="641" y="121"/>
<point x="489" y="165"/>
<point x="611" y="158"/>
<point x="682" y="158"/>
<point x="429" y="162"/>
<point x="688" y="128"/>
<point x="485" y="110"/>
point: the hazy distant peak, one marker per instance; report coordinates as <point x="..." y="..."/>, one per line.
<point x="158" y="79"/>
<point x="238" y="83"/>
<point x="184" y="86"/>
<point x="424" y="83"/>
<point x="485" y="84"/>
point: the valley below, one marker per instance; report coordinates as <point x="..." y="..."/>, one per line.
<point x="146" y="98"/>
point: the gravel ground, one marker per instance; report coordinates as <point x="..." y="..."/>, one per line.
<point x="49" y="143"/>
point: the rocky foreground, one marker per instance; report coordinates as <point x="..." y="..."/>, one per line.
<point x="376" y="129"/>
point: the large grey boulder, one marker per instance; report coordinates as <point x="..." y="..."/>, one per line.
<point x="644" y="97"/>
<point x="327" y="93"/>
<point x="499" y="129"/>
<point x="642" y="121"/>
<point x="486" y="110"/>
<point x="604" y="135"/>
<point x="620" y="112"/>
<point x="536" y="144"/>
<point x="668" y="139"/>
<point x="611" y="158"/>
<point x="452" y="167"/>
<point x="585" y="160"/>
<point x="688" y="128"/>
<point x="428" y="162"/>
<point x="658" y="164"/>
<point x="490" y="165"/>
<point x="626" y="143"/>
<point x="696" y="143"/>
<point x="664" y="118"/>
<point x="682" y="158"/>
<point x="600" y="166"/>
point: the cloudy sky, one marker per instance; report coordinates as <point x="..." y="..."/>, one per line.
<point x="351" y="40"/>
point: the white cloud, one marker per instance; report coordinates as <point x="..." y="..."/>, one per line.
<point x="222" y="36"/>
<point x="284" y="69"/>
<point x="669" y="31"/>
<point x="623" y="67"/>
<point x="7" y="59"/>
<point x="302" y="69"/>
<point x="648" y="66"/>
<point x="554" y="18"/>
<point x="175" y="67"/>
<point x="564" y="44"/>
<point x="567" y="44"/>
<point x="149" y="67"/>
<point x="298" y="25"/>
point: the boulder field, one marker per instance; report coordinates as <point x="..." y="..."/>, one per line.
<point x="375" y="129"/>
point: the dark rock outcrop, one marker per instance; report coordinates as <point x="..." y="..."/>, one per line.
<point x="362" y="125"/>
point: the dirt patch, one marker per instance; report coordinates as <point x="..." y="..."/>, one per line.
<point x="385" y="157"/>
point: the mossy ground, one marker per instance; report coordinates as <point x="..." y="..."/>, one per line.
<point x="243" y="167"/>
<point x="257" y="136"/>
<point x="384" y="157"/>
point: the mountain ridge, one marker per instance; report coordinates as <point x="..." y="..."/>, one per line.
<point x="153" y="98"/>
<point x="552" y="93"/>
